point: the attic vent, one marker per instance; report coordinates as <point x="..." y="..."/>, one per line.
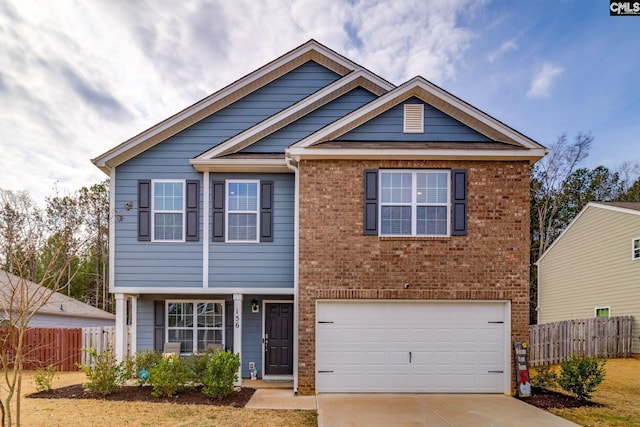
<point x="413" y="118"/>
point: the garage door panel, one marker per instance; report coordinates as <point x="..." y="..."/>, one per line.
<point x="405" y="347"/>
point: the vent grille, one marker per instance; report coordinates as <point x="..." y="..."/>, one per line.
<point x="413" y="118"/>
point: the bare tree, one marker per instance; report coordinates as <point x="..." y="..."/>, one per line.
<point x="20" y="299"/>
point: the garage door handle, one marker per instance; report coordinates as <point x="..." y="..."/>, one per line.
<point x="325" y="372"/>
<point x="409" y="357"/>
<point x="496" y="372"/>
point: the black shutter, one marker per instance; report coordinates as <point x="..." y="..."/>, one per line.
<point x="228" y="325"/>
<point x="158" y="325"/>
<point x="371" y="201"/>
<point x="266" y="211"/>
<point x="144" y="210"/>
<point x="192" y="212"/>
<point x="459" y="202"/>
<point x="217" y="212"/>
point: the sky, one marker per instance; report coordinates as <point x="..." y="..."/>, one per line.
<point x="79" y="77"/>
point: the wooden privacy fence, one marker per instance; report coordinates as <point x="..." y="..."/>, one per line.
<point x="595" y="337"/>
<point x="44" y="347"/>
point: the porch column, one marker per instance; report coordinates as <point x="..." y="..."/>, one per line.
<point x="237" y="332"/>
<point x="133" y="327"/>
<point x="121" y="327"/>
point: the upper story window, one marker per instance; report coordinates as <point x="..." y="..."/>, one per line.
<point x="414" y="203"/>
<point x="242" y="211"/>
<point x="602" y="311"/>
<point x="635" y="250"/>
<point x="168" y="210"/>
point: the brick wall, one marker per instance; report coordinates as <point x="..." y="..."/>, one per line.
<point x="338" y="262"/>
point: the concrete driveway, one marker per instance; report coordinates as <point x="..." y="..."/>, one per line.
<point x="432" y="410"/>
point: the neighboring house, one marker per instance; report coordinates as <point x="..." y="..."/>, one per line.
<point x="329" y="227"/>
<point x="593" y="268"/>
<point x="60" y="311"/>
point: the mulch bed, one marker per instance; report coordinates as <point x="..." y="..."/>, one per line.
<point x="189" y="396"/>
<point x="548" y="399"/>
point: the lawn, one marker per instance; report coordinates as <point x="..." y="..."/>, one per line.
<point x="618" y="395"/>
<point x="74" y="412"/>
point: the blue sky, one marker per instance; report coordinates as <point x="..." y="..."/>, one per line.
<point x="77" y="78"/>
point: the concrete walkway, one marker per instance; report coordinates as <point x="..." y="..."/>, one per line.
<point x="278" y="398"/>
<point x="432" y="410"/>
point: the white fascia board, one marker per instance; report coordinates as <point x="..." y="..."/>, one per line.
<point x="185" y="118"/>
<point x="405" y="91"/>
<point x="241" y="165"/>
<point x="201" y="291"/>
<point x="296" y="111"/>
<point x="574" y="220"/>
<point x="413" y="154"/>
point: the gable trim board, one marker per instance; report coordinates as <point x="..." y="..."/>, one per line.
<point x="329" y="93"/>
<point x="438" y="98"/>
<point x="310" y="51"/>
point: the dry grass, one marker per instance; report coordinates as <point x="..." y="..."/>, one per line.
<point x="619" y="394"/>
<point x="72" y="412"/>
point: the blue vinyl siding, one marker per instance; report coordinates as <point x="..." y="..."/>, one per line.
<point x="154" y="264"/>
<point x="438" y="126"/>
<point x="251" y="335"/>
<point x="303" y="127"/>
<point x="266" y="264"/>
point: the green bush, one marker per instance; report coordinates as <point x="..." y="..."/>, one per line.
<point x="144" y="361"/>
<point x="544" y="378"/>
<point x="168" y="376"/>
<point x="106" y="374"/>
<point x="220" y="373"/>
<point x="581" y="375"/>
<point x="43" y="378"/>
<point x="197" y="363"/>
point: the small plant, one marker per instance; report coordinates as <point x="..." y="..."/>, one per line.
<point x="197" y="364"/>
<point x="545" y="377"/>
<point x="43" y="378"/>
<point x="220" y="374"/>
<point x="106" y="374"/>
<point x="168" y="376"/>
<point x="581" y="375"/>
<point x="144" y="361"/>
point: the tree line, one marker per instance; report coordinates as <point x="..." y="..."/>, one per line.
<point x="63" y="245"/>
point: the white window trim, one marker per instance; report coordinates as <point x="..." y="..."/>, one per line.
<point x="633" y="249"/>
<point x="154" y="211"/>
<point x="414" y="203"/>
<point x="595" y="311"/>
<point x="195" y="323"/>
<point x="227" y="212"/>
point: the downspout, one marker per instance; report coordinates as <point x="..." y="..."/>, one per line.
<point x="293" y="165"/>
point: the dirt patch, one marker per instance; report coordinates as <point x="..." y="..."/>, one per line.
<point x="548" y="399"/>
<point x="191" y="396"/>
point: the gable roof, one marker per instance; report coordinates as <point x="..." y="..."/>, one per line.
<point x="514" y="144"/>
<point x="632" y="208"/>
<point x="310" y="51"/>
<point x="58" y="304"/>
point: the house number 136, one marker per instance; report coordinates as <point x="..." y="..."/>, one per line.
<point x="237" y="319"/>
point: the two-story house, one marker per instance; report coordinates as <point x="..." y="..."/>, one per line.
<point x="330" y="227"/>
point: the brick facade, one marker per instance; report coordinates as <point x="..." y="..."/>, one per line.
<point x="338" y="262"/>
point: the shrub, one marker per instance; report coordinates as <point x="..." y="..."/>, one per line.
<point x="144" y="361"/>
<point x="581" y="375"/>
<point x="106" y="374"/>
<point x="220" y="373"/>
<point x="197" y="363"/>
<point x="44" y="377"/>
<point x="544" y="378"/>
<point x="168" y="376"/>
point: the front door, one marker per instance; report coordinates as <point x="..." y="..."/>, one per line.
<point x="278" y="339"/>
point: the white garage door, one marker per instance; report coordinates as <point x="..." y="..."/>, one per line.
<point x="451" y="347"/>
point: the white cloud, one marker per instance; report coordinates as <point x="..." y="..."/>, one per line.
<point x="504" y="48"/>
<point x="542" y="82"/>
<point x="79" y="78"/>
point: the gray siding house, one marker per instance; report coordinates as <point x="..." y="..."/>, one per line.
<point x="217" y="208"/>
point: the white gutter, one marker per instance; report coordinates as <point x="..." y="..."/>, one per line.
<point x="296" y="260"/>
